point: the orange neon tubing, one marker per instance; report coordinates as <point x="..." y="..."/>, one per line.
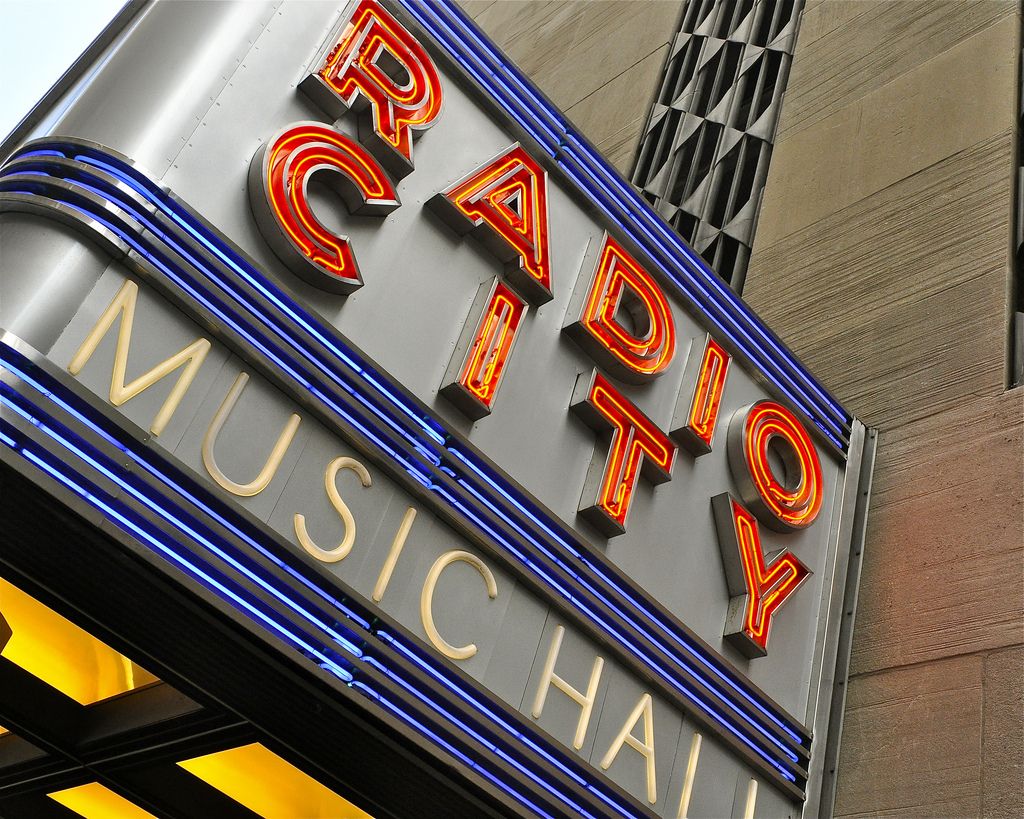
<point x="707" y="398"/>
<point x="496" y="184"/>
<point x="768" y="588"/>
<point x="292" y="158"/>
<point x="616" y="271"/>
<point x="797" y="507"/>
<point x="485" y="365"/>
<point x="351" y="68"/>
<point x="634" y="436"/>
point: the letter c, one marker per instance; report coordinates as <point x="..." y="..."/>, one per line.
<point x="427" y="600"/>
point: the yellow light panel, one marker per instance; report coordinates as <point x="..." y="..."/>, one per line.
<point x="63" y="655"/>
<point x="263" y="782"/>
<point x="94" y="801"/>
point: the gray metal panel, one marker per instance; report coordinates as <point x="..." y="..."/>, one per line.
<point x="513" y="632"/>
<point x="629" y="768"/>
<point x="46" y="271"/>
<point x="716" y="776"/>
<point x="157" y="85"/>
<point x="247" y="437"/>
<point x="521" y="638"/>
<point x="377" y="509"/>
<point x="560" y="715"/>
<point x="429" y="309"/>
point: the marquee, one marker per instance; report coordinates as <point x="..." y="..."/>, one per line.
<point x="382" y="359"/>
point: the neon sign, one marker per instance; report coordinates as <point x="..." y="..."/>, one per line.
<point x="610" y="343"/>
<point x="636" y="445"/>
<point x="505" y="204"/>
<point x="278" y="191"/>
<point x="485" y="351"/>
<point x="701" y="416"/>
<point x="621" y="288"/>
<point x="754" y="432"/>
<point x="348" y="387"/>
<point x="758" y="589"/>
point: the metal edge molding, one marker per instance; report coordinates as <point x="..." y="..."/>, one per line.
<point x="111" y="32"/>
<point x="837" y="704"/>
<point x="174" y="249"/>
<point x="505" y="87"/>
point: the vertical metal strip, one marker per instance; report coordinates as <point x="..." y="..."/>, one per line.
<point x="837" y="706"/>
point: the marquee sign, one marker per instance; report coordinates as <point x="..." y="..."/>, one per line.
<point x="384" y="357"/>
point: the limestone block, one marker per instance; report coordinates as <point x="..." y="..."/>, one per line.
<point x="474" y="8"/>
<point x="535" y="34"/>
<point x="613" y="36"/>
<point x="614" y="116"/>
<point x="573" y="48"/>
<point x="944" y="552"/>
<point x="821" y="17"/>
<point x="958" y="99"/>
<point x="1003" y="784"/>
<point x="899" y="301"/>
<point x="848" y="48"/>
<point x="912" y="742"/>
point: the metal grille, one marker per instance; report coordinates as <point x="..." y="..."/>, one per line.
<point x="704" y="155"/>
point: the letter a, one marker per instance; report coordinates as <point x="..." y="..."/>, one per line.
<point x="505" y="204"/>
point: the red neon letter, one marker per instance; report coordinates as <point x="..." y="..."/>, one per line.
<point x="700" y="417"/>
<point x="794" y="501"/>
<point x="278" y="177"/>
<point x="757" y="589"/>
<point x="621" y="287"/>
<point x="505" y="202"/>
<point x="481" y="354"/>
<point x="376" y="63"/>
<point x="636" y="445"/>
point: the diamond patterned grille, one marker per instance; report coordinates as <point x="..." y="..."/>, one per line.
<point x="704" y="155"/>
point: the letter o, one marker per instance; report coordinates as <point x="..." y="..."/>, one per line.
<point x="784" y="503"/>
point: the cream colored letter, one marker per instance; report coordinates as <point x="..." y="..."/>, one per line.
<point x="691" y="773"/>
<point x="549" y="677"/>
<point x="751" y="802"/>
<point x="191" y="358"/>
<point x="644" y="708"/>
<point x="330" y="478"/>
<point x="266" y="475"/>
<point x="397" y="544"/>
<point x="427" y="601"/>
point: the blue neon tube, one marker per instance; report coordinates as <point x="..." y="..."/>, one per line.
<point x="456" y="33"/>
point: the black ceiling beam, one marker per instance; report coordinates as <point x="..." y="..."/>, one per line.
<point x="56" y="723"/>
<point x="154" y="723"/>
<point x="34" y="806"/>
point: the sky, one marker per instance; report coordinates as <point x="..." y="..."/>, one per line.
<point x="39" y="39"/>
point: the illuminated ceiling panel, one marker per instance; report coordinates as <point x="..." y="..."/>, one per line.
<point x="94" y="801"/>
<point x="266" y="784"/>
<point x="63" y="655"/>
